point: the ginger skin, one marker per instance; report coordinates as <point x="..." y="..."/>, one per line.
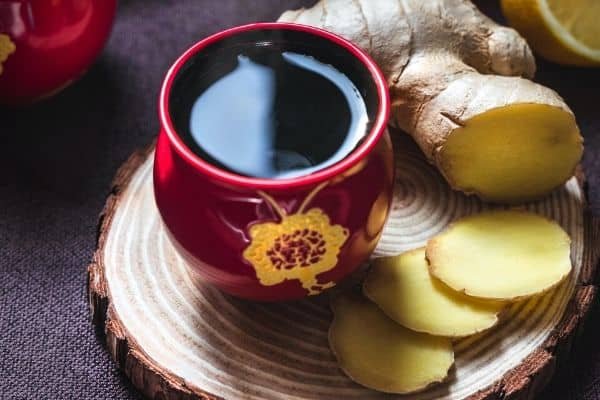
<point x="446" y="63"/>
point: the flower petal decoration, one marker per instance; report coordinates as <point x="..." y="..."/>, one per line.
<point x="300" y="246"/>
<point x="7" y="47"/>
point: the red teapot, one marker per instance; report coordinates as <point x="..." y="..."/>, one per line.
<point x="47" y="44"/>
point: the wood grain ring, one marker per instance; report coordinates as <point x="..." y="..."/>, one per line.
<point x="177" y="341"/>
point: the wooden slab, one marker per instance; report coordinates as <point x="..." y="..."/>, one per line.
<point x="175" y="340"/>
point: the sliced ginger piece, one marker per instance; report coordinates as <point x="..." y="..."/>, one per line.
<point x="503" y="255"/>
<point x="403" y="288"/>
<point x="376" y="352"/>
<point x="491" y="155"/>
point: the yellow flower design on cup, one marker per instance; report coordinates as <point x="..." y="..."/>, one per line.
<point x="301" y="246"/>
<point x="7" y="47"/>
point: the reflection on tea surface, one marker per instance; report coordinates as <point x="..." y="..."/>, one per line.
<point x="274" y="114"/>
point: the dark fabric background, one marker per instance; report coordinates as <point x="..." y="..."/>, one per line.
<point x="58" y="157"/>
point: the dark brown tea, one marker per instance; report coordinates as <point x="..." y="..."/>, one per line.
<point x="268" y="112"/>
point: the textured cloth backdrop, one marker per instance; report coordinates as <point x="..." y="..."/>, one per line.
<point x="57" y="160"/>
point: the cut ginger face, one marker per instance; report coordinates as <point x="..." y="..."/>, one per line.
<point x="502" y="255"/>
<point x="404" y="289"/>
<point x="376" y="352"/>
<point x="514" y="153"/>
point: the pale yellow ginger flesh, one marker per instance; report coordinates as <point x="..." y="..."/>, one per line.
<point x="503" y="255"/>
<point x="403" y="288"/>
<point x="376" y="352"/>
<point x="452" y="71"/>
<point x="490" y="155"/>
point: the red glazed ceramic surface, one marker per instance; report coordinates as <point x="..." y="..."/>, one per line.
<point x="46" y="44"/>
<point x="274" y="239"/>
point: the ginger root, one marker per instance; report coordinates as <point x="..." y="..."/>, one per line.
<point x="502" y="255"/>
<point x="403" y="288"/>
<point x="456" y="84"/>
<point x="378" y="353"/>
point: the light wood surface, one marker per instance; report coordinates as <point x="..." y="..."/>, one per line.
<point x="178" y="341"/>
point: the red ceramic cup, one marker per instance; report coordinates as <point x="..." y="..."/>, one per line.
<point x="276" y="239"/>
<point x="46" y="44"/>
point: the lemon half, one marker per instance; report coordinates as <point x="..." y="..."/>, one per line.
<point x="563" y="31"/>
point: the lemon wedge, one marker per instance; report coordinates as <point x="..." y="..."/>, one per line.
<point x="563" y="31"/>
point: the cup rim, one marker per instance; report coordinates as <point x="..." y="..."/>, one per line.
<point x="212" y="171"/>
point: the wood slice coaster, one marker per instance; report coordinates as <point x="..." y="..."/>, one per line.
<point x="175" y="340"/>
